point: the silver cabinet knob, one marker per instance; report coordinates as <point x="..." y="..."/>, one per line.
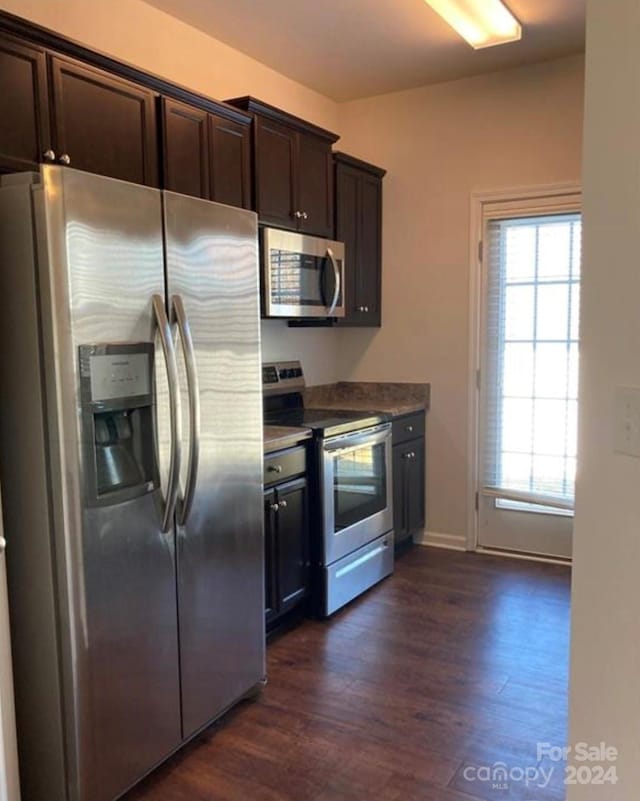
<point x="305" y="216"/>
<point x="360" y="308"/>
<point x="297" y="214"/>
<point x="408" y="428"/>
<point x="274" y="507"/>
<point x="65" y="159"/>
<point x="274" y="468"/>
<point x="366" y="308"/>
<point x="283" y="504"/>
<point x="3" y="544"/>
<point x="49" y="155"/>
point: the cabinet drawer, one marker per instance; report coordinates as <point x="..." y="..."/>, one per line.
<point x="283" y="465"/>
<point x="408" y="427"/>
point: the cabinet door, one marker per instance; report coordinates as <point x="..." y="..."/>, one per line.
<point x="105" y="125"/>
<point x="369" y="255"/>
<point x="230" y="162"/>
<point x="293" y="544"/>
<point x="24" y="113"/>
<point x="416" y="486"/>
<point x="347" y="215"/>
<point x="400" y="492"/>
<point x="186" y="148"/>
<point x="270" y="587"/>
<point x="315" y="186"/>
<point x="275" y="172"/>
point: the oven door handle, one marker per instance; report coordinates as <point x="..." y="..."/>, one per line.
<point x="336" y="274"/>
<point x="353" y="441"/>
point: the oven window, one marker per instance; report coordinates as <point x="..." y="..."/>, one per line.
<point x="359" y="484"/>
<point x="296" y="279"/>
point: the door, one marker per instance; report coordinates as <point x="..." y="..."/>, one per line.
<point x="9" y="783"/>
<point x="275" y="177"/>
<point x="186" y="148"/>
<point x="122" y="702"/>
<point x="315" y="186"/>
<point x="347" y="230"/>
<point x="401" y="527"/>
<point x="370" y="258"/>
<point x="212" y="270"/>
<point x="24" y="110"/>
<point x="230" y="162"/>
<point x="356" y="475"/>
<point x="270" y="556"/>
<point x="529" y="378"/>
<point x="292" y="544"/>
<point x="103" y="124"/>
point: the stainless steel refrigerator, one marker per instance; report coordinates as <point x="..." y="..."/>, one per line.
<point x="131" y="466"/>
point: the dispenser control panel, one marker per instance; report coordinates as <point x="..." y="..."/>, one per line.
<point x="122" y="375"/>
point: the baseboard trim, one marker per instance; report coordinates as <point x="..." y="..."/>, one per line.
<point x="434" y="539"/>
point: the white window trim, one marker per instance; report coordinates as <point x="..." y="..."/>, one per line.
<point x="504" y="203"/>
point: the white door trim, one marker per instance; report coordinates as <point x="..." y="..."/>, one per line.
<point x="479" y="200"/>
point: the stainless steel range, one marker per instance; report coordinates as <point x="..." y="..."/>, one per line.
<point x="352" y="537"/>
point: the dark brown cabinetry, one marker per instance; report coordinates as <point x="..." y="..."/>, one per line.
<point x="24" y="110"/>
<point x="103" y="124"/>
<point x="206" y="155"/>
<point x="293" y="170"/>
<point x="286" y="531"/>
<point x="408" y="476"/>
<point x="359" y="226"/>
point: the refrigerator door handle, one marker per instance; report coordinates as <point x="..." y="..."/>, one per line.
<point x="186" y="340"/>
<point x="164" y="329"/>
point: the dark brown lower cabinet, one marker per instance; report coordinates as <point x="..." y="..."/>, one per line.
<point x="409" y="464"/>
<point x="286" y="529"/>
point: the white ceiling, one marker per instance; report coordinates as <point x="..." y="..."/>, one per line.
<point x="356" y="48"/>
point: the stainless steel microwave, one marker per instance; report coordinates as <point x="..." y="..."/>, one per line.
<point x="303" y="276"/>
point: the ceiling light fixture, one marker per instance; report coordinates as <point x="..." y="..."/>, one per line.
<point x="483" y="23"/>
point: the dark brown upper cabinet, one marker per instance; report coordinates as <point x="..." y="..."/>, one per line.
<point x="24" y="109"/>
<point x="359" y="225"/>
<point x="293" y="169"/>
<point x="206" y="155"/>
<point x="103" y="124"/>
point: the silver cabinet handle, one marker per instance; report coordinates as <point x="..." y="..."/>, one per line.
<point x="274" y="507"/>
<point x="65" y="159"/>
<point x="366" y="308"/>
<point x="274" y="468"/>
<point x="336" y="273"/>
<point x="49" y="155"/>
<point x="305" y="216"/>
<point x="164" y="329"/>
<point x="282" y="504"/>
<point x="3" y="545"/>
<point x="408" y="428"/>
<point x="186" y="341"/>
<point x="297" y="214"/>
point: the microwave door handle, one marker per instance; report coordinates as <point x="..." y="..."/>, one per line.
<point x="336" y="292"/>
<point x="185" y="503"/>
<point x="168" y="349"/>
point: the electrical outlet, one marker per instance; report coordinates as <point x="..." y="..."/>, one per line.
<point x="626" y="438"/>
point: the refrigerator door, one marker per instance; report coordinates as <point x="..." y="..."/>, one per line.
<point x="212" y="284"/>
<point x="105" y="261"/>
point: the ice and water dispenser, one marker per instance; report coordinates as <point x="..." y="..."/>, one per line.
<point x="118" y="422"/>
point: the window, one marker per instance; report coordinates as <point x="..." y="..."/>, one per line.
<point x="529" y="394"/>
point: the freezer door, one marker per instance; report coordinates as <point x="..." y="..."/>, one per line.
<point x="212" y="284"/>
<point x="105" y="261"/>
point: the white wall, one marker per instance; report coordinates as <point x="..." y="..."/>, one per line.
<point x="605" y="661"/>
<point x="439" y="144"/>
<point x="140" y="34"/>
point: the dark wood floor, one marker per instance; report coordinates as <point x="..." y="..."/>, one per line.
<point x="457" y="662"/>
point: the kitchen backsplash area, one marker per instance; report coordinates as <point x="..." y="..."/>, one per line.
<point x="316" y="348"/>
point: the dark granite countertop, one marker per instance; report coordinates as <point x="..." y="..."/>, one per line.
<point x="394" y="398"/>
<point x="278" y="437"/>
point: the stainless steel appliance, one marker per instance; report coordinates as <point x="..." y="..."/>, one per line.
<point x="353" y="541"/>
<point x="303" y="276"/>
<point x="131" y="460"/>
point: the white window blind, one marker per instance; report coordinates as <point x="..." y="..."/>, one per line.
<point x="529" y="387"/>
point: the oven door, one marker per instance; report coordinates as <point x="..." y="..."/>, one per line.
<point x="356" y="487"/>
<point x="303" y="275"/>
